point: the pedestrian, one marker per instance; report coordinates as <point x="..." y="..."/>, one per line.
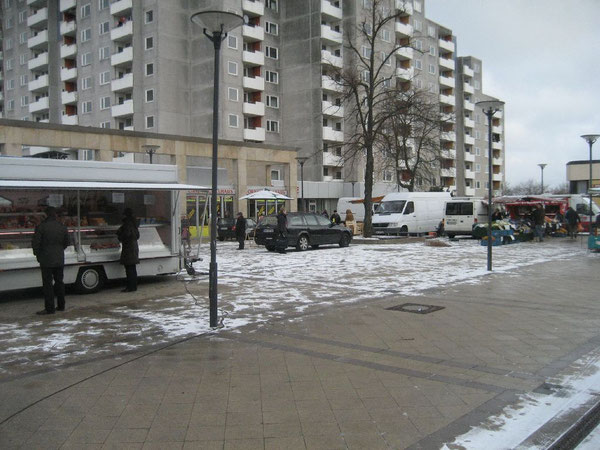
<point x="335" y="218"/>
<point x="49" y="242"/>
<point x="128" y="235"/>
<point x="573" y="220"/>
<point x="539" y="218"/>
<point x="597" y="223"/>
<point x="497" y="215"/>
<point x="240" y="230"/>
<point x="282" y="230"/>
<point x="324" y="214"/>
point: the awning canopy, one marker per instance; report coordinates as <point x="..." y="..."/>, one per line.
<point x="265" y="194"/>
<point x="97" y="185"/>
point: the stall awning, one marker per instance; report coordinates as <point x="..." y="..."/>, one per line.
<point x="97" y="185"/>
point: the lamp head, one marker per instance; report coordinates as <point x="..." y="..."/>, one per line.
<point x="217" y="22"/>
<point x="301" y="159"/>
<point x="490" y="106"/>
<point x="542" y="166"/>
<point x="150" y="148"/>
<point x="590" y="138"/>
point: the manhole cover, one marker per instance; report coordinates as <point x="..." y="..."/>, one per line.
<point x="416" y="308"/>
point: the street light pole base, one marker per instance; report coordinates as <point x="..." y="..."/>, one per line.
<point x="212" y="294"/>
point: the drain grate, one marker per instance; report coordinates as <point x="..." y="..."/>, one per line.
<point x="547" y="388"/>
<point x="416" y="308"/>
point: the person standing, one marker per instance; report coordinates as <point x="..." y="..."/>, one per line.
<point x="128" y="235"/>
<point x="572" y="219"/>
<point x="282" y="230"/>
<point x="539" y="218"/>
<point x="240" y="230"/>
<point x="335" y="218"/>
<point x="49" y="242"/>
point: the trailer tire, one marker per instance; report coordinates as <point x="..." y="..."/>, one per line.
<point x="90" y="279"/>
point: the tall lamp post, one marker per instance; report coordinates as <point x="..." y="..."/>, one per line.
<point x="215" y="25"/>
<point x="150" y="149"/>
<point x="489" y="108"/>
<point x="301" y="160"/>
<point x="590" y="139"/>
<point x="542" y="167"/>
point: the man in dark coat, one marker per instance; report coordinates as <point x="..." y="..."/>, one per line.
<point x="335" y="218"/>
<point x="572" y="219"/>
<point x="282" y="230"/>
<point x="240" y="230"/>
<point x="539" y="218"/>
<point x="128" y="235"/>
<point x="49" y="242"/>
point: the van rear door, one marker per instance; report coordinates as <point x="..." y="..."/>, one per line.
<point x="459" y="216"/>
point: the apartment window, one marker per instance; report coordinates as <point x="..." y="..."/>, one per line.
<point x="366" y="51"/>
<point x="232" y="42"/>
<point x="86" y="59"/>
<point x="105" y="124"/>
<point x="86" y="10"/>
<point x="9" y="23"/>
<point x="431" y="31"/>
<point x="86" y="83"/>
<point x="477" y="167"/>
<point x="272" y="101"/>
<point x="272" y="52"/>
<point x="10" y="105"/>
<point x="23" y="37"/>
<point x="476" y="67"/>
<point x="104" y="78"/>
<point x="105" y="103"/>
<point x="232" y="68"/>
<point x="387" y="175"/>
<point x="149" y="69"/>
<point x="23" y="16"/>
<point x="86" y="34"/>
<point x="233" y="121"/>
<point x="149" y="16"/>
<point x="9" y="64"/>
<point x="104" y="28"/>
<point x="272" y="77"/>
<point x="476" y="84"/>
<point x="149" y="43"/>
<point x="104" y="53"/>
<point x="8" y="3"/>
<point x="432" y="50"/>
<point x="149" y="95"/>
<point x="149" y="121"/>
<point x="275" y="174"/>
<point x="418" y="6"/>
<point x="232" y="94"/>
<point x="364" y="76"/>
<point x="386" y="36"/>
<point x="10" y="85"/>
<point x="387" y="83"/>
<point x="418" y="83"/>
<point x="86" y="107"/>
<point x="24" y="100"/>
<point x="478" y="184"/>
<point x="418" y="64"/>
<point x="418" y="25"/>
<point x="431" y="87"/>
<point x="419" y="45"/>
<point x="477" y="151"/>
<point x="272" y="4"/>
<point x="431" y="69"/>
<point x="8" y="44"/>
<point x="273" y="126"/>
<point x="388" y="61"/>
<point x="477" y="134"/>
<point x="24" y="80"/>
<point x="23" y="57"/>
<point x="272" y="28"/>
<point x="103" y="4"/>
<point x="367" y="4"/>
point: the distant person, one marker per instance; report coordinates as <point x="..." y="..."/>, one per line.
<point x="597" y="223"/>
<point x="49" y="242"/>
<point x="240" y="230"/>
<point x="539" y="220"/>
<point x="440" y="230"/>
<point x="128" y="235"/>
<point x="282" y="230"/>
<point x="324" y="214"/>
<point x="497" y="215"/>
<point x="349" y="216"/>
<point x="335" y="218"/>
<point x="573" y="220"/>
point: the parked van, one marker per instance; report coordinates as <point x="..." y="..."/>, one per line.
<point x="356" y="205"/>
<point x="403" y="213"/>
<point x="461" y="213"/>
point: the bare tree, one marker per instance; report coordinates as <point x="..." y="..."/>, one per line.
<point x="529" y="187"/>
<point x="562" y="188"/>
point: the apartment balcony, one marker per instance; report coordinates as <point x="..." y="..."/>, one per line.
<point x="468" y="72"/>
<point x="254" y="134"/>
<point x="468" y="88"/>
<point x="448" y="136"/>
<point x="122" y="84"/>
<point x="496" y="177"/>
<point x="404" y="53"/>
<point x="448" y="154"/>
<point x="447" y="63"/>
<point x="36" y="2"/>
<point x="470" y="157"/>
<point x="68" y="98"/>
<point x="122" y="110"/>
<point x="446" y="45"/>
<point x="450" y="172"/>
<point x="469" y="191"/>
<point x="329" y="109"/>
<point x="121" y="7"/>
<point x="253" y="34"/>
<point x="327" y="178"/>
<point x="405" y="74"/>
<point x="254" y="8"/>
<point x="404" y="29"/>
<point x="328" y="9"/>
<point x="498" y="115"/>
<point x="38" y="19"/>
<point x="469" y="174"/>
<point x="330" y="35"/>
<point x="253" y="109"/>
<point x="404" y="5"/>
<point x="39" y="40"/>
<point x="329" y="159"/>
<point x="447" y="99"/>
<point x="448" y="117"/>
<point x="470" y="106"/>
<point x="124" y="57"/>
<point x="469" y="140"/>
<point x="497" y="161"/>
<point x="447" y="81"/>
<point x="68" y="28"/>
<point x="497" y="145"/>
<point x="70" y="120"/>
<point x="40" y="84"/>
<point x="469" y="123"/>
<point x="65" y="5"/>
<point x="329" y="84"/>
<point x="128" y="128"/>
<point x="253" y="58"/>
<point x="329" y="134"/>
<point x="41" y="105"/>
<point x="68" y="51"/>
<point x="253" y="84"/>
<point x="497" y="129"/>
<point x="39" y="62"/>
<point x="328" y="58"/>
<point x="68" y="74"/>
<point x="122" y="33"/>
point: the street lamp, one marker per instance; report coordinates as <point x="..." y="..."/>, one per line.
<point x="215" y="25"/>
<point x="150" y="149"/>
<point x="590" y="139"/>
<point x="302" y="160"/>
<point x="489" y="108"/>
<point x="542" y="167"/>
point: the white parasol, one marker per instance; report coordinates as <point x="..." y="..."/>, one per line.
<point x="265" y="194"/>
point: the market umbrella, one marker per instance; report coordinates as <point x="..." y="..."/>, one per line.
<point x="265" y="194"/>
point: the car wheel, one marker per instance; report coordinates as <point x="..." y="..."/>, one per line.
<point x="89" y="280"/>
<point x="302" y="243"/>
<point x="315" y="246"/>
<point x="270" y="248"/>
<point x="345" y="240"/>
<point x="221" y="238"/>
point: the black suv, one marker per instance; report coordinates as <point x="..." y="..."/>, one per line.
<point x="304" y="230"/>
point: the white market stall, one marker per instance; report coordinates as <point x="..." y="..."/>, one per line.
<point x="266" y="202"/>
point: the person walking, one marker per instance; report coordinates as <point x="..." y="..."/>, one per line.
<point x="49" y="242"/>
<point x="128" y="235"/>
<point x="240" y="230"/>
<point x="282" y="230"/>
<point x="573" y="220"/>
<point x="325" y="214"/>
<point x="335" y="218"/>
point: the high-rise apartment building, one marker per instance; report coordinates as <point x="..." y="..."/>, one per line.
<point x="143" y="65"/>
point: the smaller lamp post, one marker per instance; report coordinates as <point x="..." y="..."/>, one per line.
<point x="150" y="149"/>
<point x="542" y="167"/>
<point x="301" y="160"/>
<point x="590" y="139"/>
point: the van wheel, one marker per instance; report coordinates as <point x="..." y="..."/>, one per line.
<point x="345" y="240"/>
<point x="302" y="243"/>
<point x="450" y="235"/>
<point x="90" y="280"/>
<point x="404" y="231"/>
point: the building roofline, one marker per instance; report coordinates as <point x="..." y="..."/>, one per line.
<point x="583" y="161"/>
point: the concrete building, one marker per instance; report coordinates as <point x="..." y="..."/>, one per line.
<point x="578" y="176"/>
<point x="143" y="65"/>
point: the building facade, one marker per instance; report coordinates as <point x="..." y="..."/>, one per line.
<point x="143" y="65"/>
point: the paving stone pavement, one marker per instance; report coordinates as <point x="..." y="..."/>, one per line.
<point x="357" y="376"/>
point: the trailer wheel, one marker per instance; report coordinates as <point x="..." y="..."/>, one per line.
<point x="90" y="279"/>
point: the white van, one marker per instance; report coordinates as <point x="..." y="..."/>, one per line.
<point x="358" y="209"/>
<point x="461" y="213"/>
<point x="404" y="213"/>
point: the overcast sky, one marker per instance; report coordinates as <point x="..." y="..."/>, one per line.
<point x="542" y="57"/>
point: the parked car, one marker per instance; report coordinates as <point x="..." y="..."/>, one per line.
<point x="226" y="228"/>
<point x="304" y="230"/>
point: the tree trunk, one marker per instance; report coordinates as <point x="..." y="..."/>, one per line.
<point x="368" y="224"/>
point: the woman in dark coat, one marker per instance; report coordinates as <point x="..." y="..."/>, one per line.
<point x="240" y="230"/>
<point x="282" y="230"/>
<point x="128" y="235"/>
